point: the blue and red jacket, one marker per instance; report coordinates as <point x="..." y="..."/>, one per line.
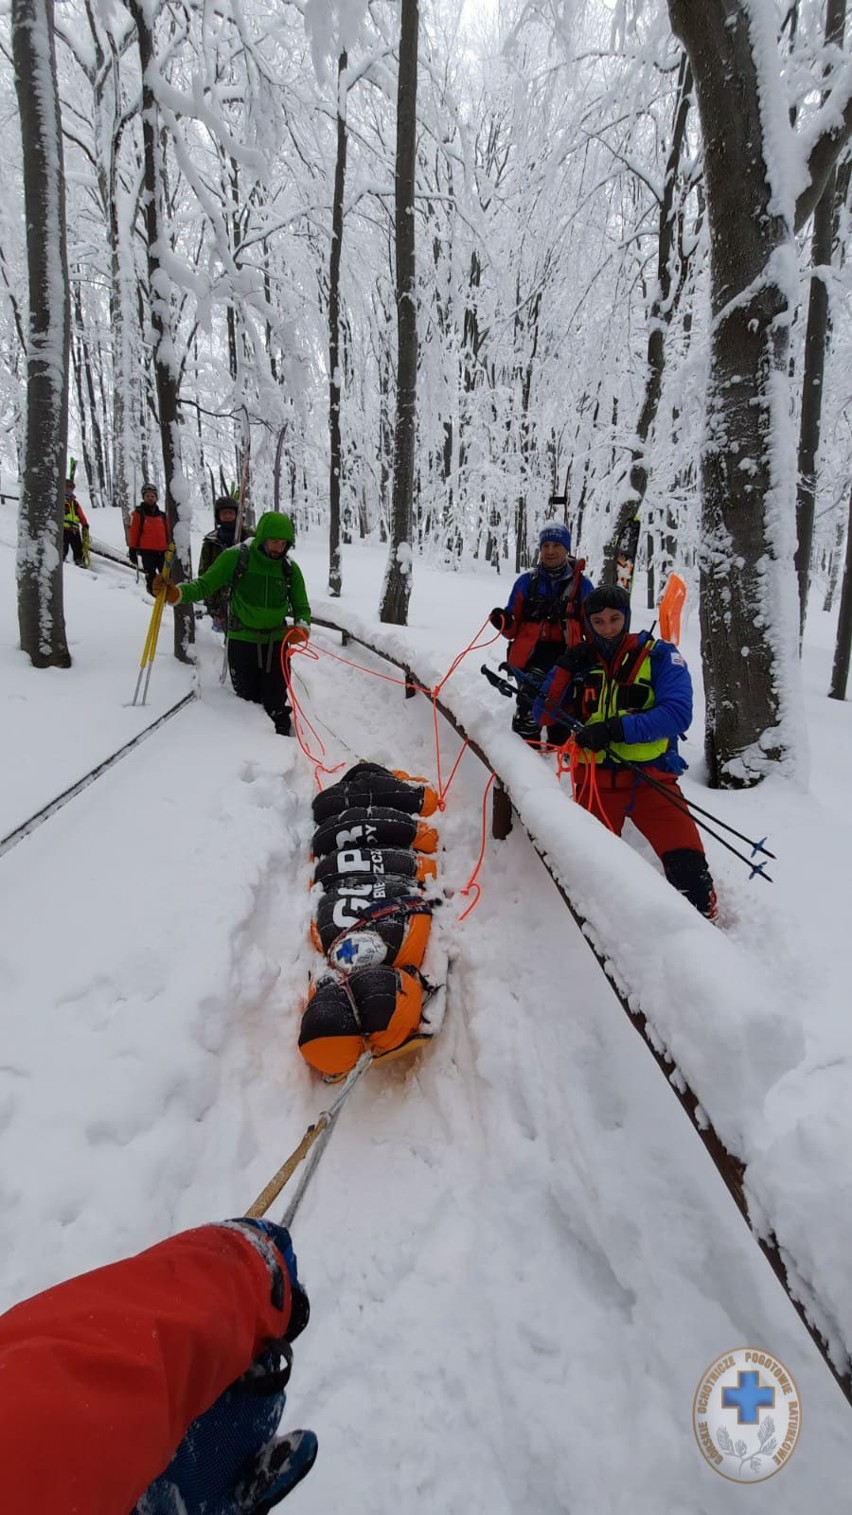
<point x="646" y="683"/>
<point x="544" y="608"/>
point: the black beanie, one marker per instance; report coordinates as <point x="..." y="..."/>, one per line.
<point x="607" y="597"/>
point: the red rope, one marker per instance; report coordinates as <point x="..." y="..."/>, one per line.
<point x="388" y="677"/>
<point x="471" y="883"/>
<point x="471" y="887"/>
<point x="432" y="694"/>
<point x="301" y="722"/>
<point x="473" y="646"/>
<point x="586" y="789"/>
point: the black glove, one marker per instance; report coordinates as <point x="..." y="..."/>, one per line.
<point x="577" y="660"/>
<point x="497" y="618"/>
<point x="132" y="554"/>
<point x="599" y="735"/>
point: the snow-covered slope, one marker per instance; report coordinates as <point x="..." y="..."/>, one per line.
<point x="519" y="1256"/>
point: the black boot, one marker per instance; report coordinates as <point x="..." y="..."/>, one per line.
<point x="524" y="725"/>
<point x="687" y="870"/>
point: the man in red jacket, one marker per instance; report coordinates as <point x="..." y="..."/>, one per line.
<point x="161" y="1379"/>
<point x="148" y="537"/>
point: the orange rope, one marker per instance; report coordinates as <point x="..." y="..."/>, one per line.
<point x="347" y="663"/>
<point x="472" y="646"/>
<point x="586" y="791"/>
<point x="432" y="694"/>
<point x="443" y="789"/>
<point x="301" y="722"/>
<point x="471" y="883"/>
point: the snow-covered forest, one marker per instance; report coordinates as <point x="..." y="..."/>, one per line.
<point x="622" y="287"/>
<point x="424" y="276"/>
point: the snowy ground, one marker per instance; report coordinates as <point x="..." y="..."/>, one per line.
<point x="519" y="1255"/>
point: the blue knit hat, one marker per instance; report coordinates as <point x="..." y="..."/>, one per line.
<point x="554" y="531"/>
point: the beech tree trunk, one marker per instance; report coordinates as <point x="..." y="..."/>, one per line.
<point x="40" y="601"/>
<point x="816" y="348"/>
<point x="396" y="591"/>
<point x="335" y="575"/>
<point x="748" y="588"/>
<point x="840" y="670"/>
<point x="669" y="272"/>
<point x="747" y="607"/>
<point x="165" y="366"/>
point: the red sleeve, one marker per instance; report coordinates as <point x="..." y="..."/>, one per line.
<point x="135" y="529"/>
<point x="81" y="514"/>
<point x="514" y="611"/>
<point x="101" y="1376"/>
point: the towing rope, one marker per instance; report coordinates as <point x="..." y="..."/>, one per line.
<point x="301" y="722"/>
<point x="315" y="1141"/>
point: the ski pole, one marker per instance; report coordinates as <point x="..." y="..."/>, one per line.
<point x="717" y="820"/>
<point x="502" y="684"/>
<point x="146" y="662"/>
<point x="686" y="808"/>
<point x="238" y="531"/>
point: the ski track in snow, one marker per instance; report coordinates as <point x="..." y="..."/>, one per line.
<point x="520" y="1258"/>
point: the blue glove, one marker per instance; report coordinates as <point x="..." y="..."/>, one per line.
<point x="229" y="1462"/>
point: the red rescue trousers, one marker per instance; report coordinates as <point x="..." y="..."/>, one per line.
<point x="619" y="794"/>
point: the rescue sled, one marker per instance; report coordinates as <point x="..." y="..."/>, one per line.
<point x="380" y="987"/>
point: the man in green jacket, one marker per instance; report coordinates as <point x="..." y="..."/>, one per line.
<point x="265" y="588"/>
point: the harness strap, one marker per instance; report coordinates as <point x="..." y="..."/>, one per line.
<point x="234" y="623"/>
<point x="551" y="608"/>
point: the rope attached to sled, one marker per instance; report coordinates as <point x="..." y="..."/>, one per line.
<point x="323" y="1127"/>
<point x="408" y="684"/>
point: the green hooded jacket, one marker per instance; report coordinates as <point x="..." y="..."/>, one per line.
<point x="261" y="602"/>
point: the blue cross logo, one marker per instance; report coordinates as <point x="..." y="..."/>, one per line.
<point x="347" y="951"/>
<point x="747" y="1398"/>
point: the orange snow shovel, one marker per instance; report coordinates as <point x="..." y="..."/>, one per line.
<point x="671" y="608"/>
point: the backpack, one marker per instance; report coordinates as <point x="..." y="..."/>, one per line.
<point x="239" y="572"/>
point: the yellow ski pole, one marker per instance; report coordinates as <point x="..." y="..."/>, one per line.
<point x="150" y="648"/>
<point x="149" y="651"/>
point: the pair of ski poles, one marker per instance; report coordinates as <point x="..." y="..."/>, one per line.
<point x="680" y="802"/>
<point x="149" y="651"/>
